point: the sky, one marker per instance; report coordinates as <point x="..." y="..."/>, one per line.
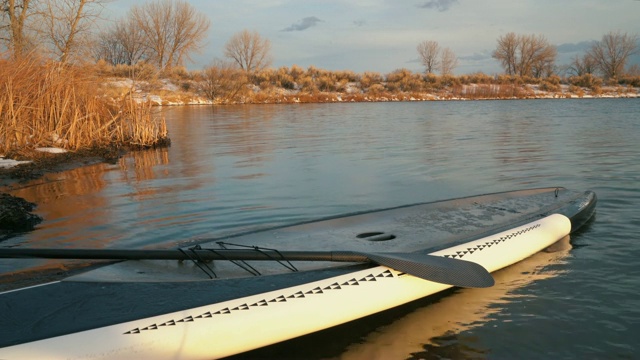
<point x="382" y="35"/>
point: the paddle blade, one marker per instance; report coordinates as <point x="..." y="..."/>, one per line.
<point x="436" y="268"/>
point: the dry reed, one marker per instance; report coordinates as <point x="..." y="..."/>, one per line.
<point x="43" y="103"/>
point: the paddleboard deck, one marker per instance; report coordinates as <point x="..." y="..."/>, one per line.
<point x="168" y="309"/>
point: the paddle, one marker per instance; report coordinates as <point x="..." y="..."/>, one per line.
<point x="433" y="268"/>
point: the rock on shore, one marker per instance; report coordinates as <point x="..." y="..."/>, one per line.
<point x="15" y="215"/>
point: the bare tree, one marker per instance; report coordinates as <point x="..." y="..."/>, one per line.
<point x="172" y="30"/>
<point x="448" y="62"/>
<point x="249" y="50"/>
<point x="131" y="39"/>
<point x="536" y="56"/>
<point x="525" y="55"/>
<point x="66" y="25"/>
<point x="13" y="25"/>
<point x="543" y="56"/>
<point x="429" y="52"/>
<point x="123" y="43"/>
<point x="505" y="53"/>
<point x="582" y="65"/>
<point x="108" y="48"/>
<point x="612" y="52"/>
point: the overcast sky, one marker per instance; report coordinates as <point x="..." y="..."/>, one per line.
<point x="382" y="35"/>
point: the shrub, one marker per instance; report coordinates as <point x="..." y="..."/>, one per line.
<point x="176" y="73"/>
<point x="586" y="80"/>
<point x="283" y="79"/>
<point x="630" y="81"/>
<point x="549" y="86"/>
<point x="296" y="72"/>
<point x="404" y="80"/>
<point x="431" y="79"/>
<point x="369" y="79"/>
<point x="223" y="83"/>
<point x="448" y="80"/>
<point x="554" y="79"/>
<point x="480" y="78"/>
<point x="510" y="79"/>
<point x="376" y="89"/>
<point x="307" y="84"/>
<point x="325" y="83"/>
<point x="313" y="71"/>
<point x="576" y="90"/>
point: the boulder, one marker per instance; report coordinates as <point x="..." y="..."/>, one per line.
<point x="15" y="214"/>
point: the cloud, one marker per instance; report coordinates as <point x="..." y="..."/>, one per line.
<point x="574" y="47"/>
<point x="477" y="56"/>
<point x="440" y="5"/>
<point x="303" y="24"/>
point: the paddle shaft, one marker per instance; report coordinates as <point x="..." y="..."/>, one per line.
<point x="433" y="268"/>
<point x="202" y="254"/>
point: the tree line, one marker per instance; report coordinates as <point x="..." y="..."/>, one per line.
<point x="163" y="32"/>
<point x="533" y="55"/>
<point x="166" y="33"/>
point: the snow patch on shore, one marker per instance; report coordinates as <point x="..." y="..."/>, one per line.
<point x="9" y="163"/>
<point x="51" y="150"/>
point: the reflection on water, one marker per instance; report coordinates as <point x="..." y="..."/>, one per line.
<point x="77" y="189"/>
<point x="140" y="167"/>
<point x="434" y="331"/>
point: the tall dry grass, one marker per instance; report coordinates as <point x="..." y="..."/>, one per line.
<point x="44" y="103"/>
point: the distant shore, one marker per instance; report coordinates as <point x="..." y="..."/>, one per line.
<point x="168" y="93"/>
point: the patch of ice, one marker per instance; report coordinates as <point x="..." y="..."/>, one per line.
<point x="51" y="150"/>
<point x="9" y="163"/>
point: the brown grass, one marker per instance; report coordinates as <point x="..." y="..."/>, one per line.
<point x="43" y="103"/>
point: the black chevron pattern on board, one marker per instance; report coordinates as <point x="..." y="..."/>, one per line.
<point x="316" y="290"/>
<point x="487" y="244"/>
<point x="264" y="302"/>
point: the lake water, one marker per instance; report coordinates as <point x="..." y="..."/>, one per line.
<point x="235" y="168"/>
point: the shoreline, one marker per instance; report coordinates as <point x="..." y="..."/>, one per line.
<point x="166" y="93"/>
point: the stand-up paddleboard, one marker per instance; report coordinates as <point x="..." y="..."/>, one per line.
<point x="272" y="285"/>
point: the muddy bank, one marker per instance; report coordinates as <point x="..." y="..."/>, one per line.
<point x="45" y="162"/>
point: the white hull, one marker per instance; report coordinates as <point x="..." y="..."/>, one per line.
<point x="243" y="324"/>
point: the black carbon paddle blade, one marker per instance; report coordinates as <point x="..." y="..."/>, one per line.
<point x="436" y="268"/>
